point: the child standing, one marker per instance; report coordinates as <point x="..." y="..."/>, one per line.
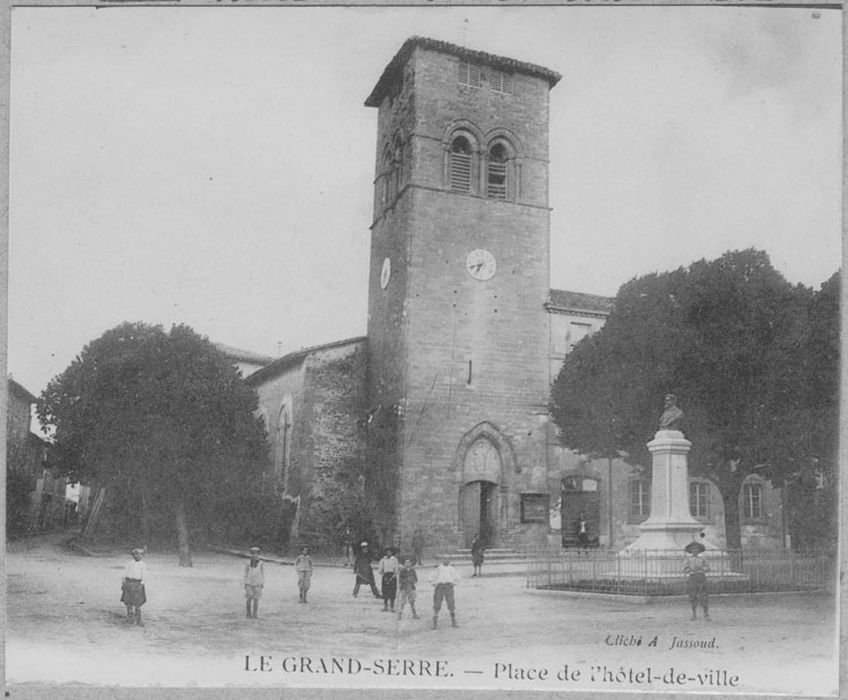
<point x="444" y="578"/>
<point x="417" y="547"/>
<point x="389" y="569"/>
<point x="363" y="571"/>
<point x="132" y="587"/>
<point x="697" y="567"/>
<point x="254" y="580"/>
<point x="303" y="566"/>
<point x="347" y="542"/>
<point x="478" y="547"/>
<point x="407" y="578"/>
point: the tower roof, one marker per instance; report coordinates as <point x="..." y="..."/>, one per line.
<point x="395" y="67"/>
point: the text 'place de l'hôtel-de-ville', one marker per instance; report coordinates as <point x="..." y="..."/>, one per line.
<point x="440" y="414"/>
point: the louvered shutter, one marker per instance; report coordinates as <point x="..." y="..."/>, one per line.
<point x="460" y="171"/>
<point x="501" y="82"/>
<point x="468" y="74"/>
<point x="497" y="180"/>
<point x="462" y="73"/>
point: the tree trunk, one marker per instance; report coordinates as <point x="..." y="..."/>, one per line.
<point x="182" y="532"/>
<point x="732" y="528"/>
<point x="145" y="517"/>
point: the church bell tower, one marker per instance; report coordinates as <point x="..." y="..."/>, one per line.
<point x="458" y="333"/>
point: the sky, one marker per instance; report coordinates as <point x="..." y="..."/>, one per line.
<point x="214" y="165"/>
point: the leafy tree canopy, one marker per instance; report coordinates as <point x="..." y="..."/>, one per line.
<point x="164" y="414"/>
<point x="731" y="338"/>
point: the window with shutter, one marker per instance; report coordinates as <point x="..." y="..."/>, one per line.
<point x="468" y="74"/>
<point x="496" y="181"/>
<point x="460" y="165"/>
<point x="501" y="82"/>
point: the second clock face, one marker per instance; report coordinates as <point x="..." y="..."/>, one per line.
<point x="480" y="264"/>
<point x="385" y="273"/>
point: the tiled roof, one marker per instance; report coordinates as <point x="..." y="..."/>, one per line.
<point x="237" y="354"/>
<point x="393" y="70"/>
<point x="563" y="300"/>
<point x="23" y="393"/>
<point x="294" y="358"/>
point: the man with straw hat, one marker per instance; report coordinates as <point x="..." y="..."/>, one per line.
<point x="697" y="567"/>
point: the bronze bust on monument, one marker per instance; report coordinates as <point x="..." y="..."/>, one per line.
<point x="670" y="525"/>
<point x="672" y="416"/>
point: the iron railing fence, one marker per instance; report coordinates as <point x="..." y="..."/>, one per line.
<point x="660" y="572"/>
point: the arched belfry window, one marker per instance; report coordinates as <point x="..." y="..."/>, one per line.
<point x="389" y="178"/>
<point x="497" y="171"/>
<point x="392" y="172"/>
<point x="385" y="177"/>
<point x="397" y="165"/>
<point x="460" y="164"/>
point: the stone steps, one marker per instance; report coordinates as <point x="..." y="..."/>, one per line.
<point x="496" y="556"/>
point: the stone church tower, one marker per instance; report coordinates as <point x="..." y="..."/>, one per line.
<point x="458" y="333"/>
<point x="438" y="419"/>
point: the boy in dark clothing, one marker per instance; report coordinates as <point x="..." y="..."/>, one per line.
<point x="478" y="547"/>
<point x="581" y="528"/>
<point x="389" y="570"/>
<point x="407" y="578"/>
<point x="696" y="567"/>
<point x="417" y="547"/>
<point x="363" y="571"/>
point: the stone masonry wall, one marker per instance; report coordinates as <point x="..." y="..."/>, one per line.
<point x="334" y="396"/>
<point x="326" y="393"/>
<point x="499" y="326"/>
<point x="286" y="387"/>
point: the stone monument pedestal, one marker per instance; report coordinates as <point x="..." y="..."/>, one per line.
<point x="670" y="526"/>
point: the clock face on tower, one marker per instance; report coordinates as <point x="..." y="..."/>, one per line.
<point x="480" y="264"/>
<point x="385" y="273"/>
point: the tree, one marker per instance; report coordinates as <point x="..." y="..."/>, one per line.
<point x="813" y="481"/>
<point x="162" y="417"/>
<point x="726" y="336"/>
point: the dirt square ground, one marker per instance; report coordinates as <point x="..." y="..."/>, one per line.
<point x="66" y="626"/>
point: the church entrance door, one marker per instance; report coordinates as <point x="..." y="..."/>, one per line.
<point x="478" y="511"/>
<point x="580" y="495"/>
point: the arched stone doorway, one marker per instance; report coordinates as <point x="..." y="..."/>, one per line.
<point x="478" y="495"/>
<point x="478" y="504"/>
